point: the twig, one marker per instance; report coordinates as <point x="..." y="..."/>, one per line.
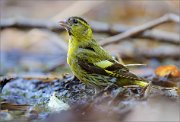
<point x="113" y="29"/>
<point x="159" y="53"/>
<point x="26" y="23"/>
<point x="139" y="29"/>
<point x="160" y="36"/>
<point x="98" y="27"/>
<point x="45" y="78"/>
<point x="135" y="65"/>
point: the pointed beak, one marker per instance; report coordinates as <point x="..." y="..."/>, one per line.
<point x="64" y="24"/>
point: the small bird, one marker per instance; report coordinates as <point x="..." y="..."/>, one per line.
<point x="90" y="63"/>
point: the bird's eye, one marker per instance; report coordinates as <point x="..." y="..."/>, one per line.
<point x="75" y="21"/>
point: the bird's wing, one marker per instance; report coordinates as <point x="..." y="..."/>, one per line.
<point x="107" y="67"/>
<point x="97" y="62"/>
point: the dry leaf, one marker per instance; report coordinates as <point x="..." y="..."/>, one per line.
<point x="168" y="70"/>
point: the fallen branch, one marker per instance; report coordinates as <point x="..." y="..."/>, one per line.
<point x="162" y="36"/>
<point x="26" y="23"/>
<point x="114" y="29"/>
<point x="141" y="28"/>
<point x="159" y="53"/>
<point x="98" y="27"/>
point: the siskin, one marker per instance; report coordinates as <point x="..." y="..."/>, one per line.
<point x="90" y="63"/>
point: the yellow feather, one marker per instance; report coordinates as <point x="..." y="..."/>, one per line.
<point x="104" y="64"/>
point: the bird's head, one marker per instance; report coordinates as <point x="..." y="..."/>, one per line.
<point x="77" y="27"/>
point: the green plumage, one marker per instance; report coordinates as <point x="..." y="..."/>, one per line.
<point x="90" y="63"/>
